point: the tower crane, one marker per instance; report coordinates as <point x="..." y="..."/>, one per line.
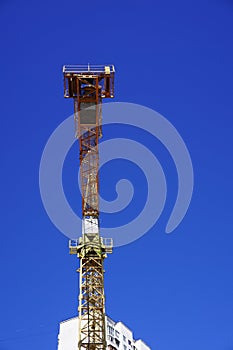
<point x="88" y="85"/>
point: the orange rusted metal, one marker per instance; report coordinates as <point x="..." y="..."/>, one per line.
<point x="87" y="85"/>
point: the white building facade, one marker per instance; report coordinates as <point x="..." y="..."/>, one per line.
<point x="119" y="337"/>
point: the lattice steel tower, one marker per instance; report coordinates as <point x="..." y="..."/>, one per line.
<point x="87" y="85"/>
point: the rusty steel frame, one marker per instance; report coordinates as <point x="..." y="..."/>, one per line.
<point x="87" y="87"/>
<point x="88" y="145"/>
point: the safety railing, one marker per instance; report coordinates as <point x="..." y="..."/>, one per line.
<point x="87" y="68"/>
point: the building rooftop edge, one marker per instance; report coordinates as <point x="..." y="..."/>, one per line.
<point x="114" y="322"/>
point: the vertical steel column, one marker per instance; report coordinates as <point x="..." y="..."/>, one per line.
<point x="87" y="87"/>
<point x="92" y="333"/>
<point x="91" y="298"/>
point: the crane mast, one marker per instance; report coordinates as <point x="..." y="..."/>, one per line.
<point x="88" y="85"/>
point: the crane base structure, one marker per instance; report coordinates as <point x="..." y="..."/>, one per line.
<point x="91" y="250"/>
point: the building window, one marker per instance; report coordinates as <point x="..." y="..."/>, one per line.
<point x="110" y="330"/>
<point x="117" y="334"/>
<point x="117" y="342"/>
<point x="125" y="347"/>
<point x="129" y="342"/>
<point x="124" y="338"/>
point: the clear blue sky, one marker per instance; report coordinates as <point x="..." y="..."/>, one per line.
<point x="175" y="291"/>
